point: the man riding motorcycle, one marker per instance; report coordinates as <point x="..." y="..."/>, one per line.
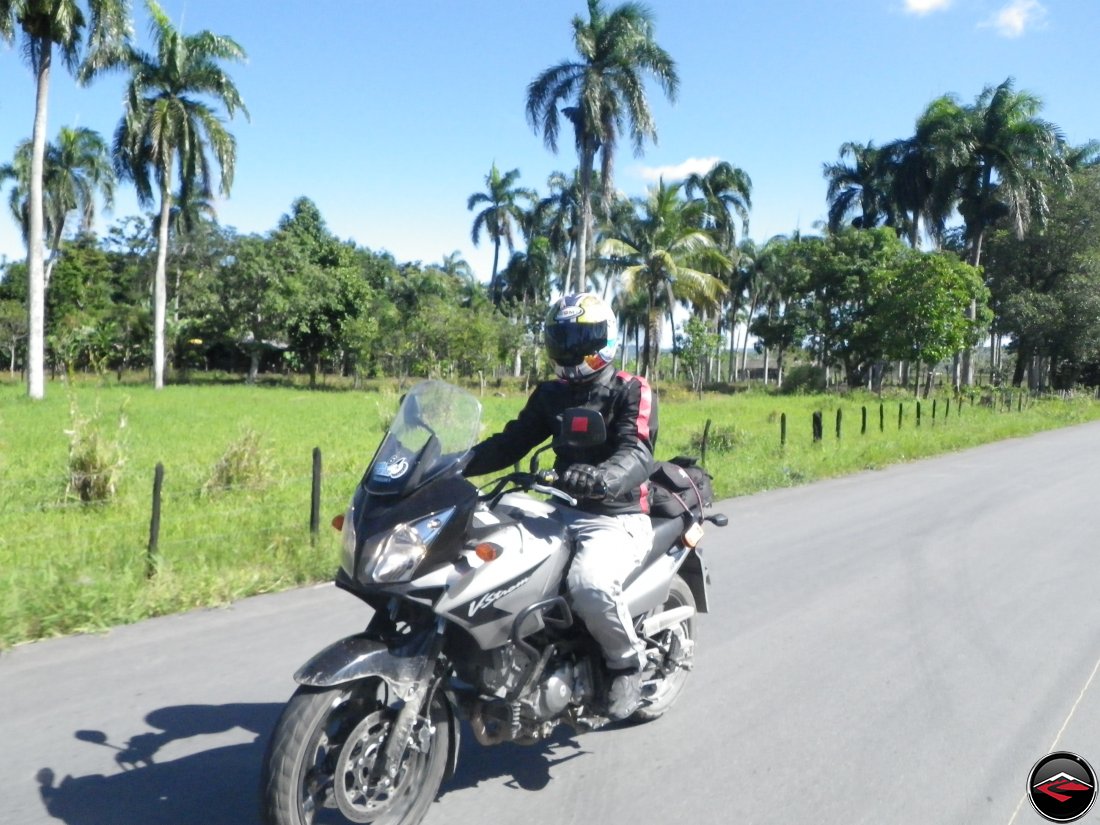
<point x="613" y="533"/>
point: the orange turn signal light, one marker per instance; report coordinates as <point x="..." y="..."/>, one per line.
<point x="338" y="522"/>
<point x="487" y="552"/>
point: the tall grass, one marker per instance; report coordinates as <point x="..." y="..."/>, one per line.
<point x="68" y="565"/>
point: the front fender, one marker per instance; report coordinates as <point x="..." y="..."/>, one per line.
<point x="356" y="657"/>
<point x="359" y="657"/>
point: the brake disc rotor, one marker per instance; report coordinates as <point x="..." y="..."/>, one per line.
<point x="362" y="795"/>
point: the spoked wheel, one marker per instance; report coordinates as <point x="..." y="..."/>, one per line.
<point x="324" y="762"/>
<point x="662" y="683"/>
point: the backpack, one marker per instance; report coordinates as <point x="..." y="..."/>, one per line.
<point x="681" y="488"/>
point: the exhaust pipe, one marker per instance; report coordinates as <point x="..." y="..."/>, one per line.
<point x="666" y="619"/>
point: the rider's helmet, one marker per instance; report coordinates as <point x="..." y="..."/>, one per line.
<point x="581" y="336"/>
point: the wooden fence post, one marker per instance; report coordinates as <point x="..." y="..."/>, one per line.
<point x="315" y="498"/>
<point x="881" y="417"/>
<point x="783" y="430"/>
<point x="838" y="418"/>
<point x="152" y="553"/>
<point x="863" y="421"/>
<point x="918" y="413"/>
<point x="817" y="426"/>
<point x="900" y="406"/>
<point x="706" y="437"/>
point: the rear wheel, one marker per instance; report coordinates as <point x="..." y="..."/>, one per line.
<point x="662" y="683"/>
<point x="323" y="762"/>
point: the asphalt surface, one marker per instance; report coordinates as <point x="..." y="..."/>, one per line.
<point x="897" y="646"/>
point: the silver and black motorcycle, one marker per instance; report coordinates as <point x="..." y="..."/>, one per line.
<point x="470" y="621"/>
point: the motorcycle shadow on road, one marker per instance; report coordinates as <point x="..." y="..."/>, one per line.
<point x="219" y="785"/>
<point x="215" y="785"/>
<point x="524" y="767"/>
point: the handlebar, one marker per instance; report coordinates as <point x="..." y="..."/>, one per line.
<point x="540" y="482"/>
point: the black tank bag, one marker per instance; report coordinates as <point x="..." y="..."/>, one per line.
<point x="681" y="488"/>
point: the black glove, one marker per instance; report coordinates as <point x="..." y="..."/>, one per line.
<point x="584" y="481"/>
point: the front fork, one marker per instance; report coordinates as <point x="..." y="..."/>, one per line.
<point x="416" y="698"/>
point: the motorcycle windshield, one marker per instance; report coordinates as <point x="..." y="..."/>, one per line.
<point x="435" y="426"/>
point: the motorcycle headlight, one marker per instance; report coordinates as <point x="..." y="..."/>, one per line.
<point x="403" y="548"/>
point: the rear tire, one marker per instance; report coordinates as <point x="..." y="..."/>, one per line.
<point x="661" y="691"/>
<point x="318" y="764"/>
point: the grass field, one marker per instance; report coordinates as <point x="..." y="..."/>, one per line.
<point x="67" y="566"/>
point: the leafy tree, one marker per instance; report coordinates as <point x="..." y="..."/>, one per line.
<point x="248" y="308"/>
<point x="501" y="215"/>
<point x="13" y="329"/>
<point x="169" y="131"/>
<point x="602" y="94"/>
<point x="44" y="27"/>
<point x="786" y="323"/>
<point x="1043" y="284"/>
<point x="921" y="307"/>
<point x="324" y="288"/>
<point x="697" y="345"/>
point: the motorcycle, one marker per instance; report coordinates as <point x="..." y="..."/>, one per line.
<point x="470" y="621"/>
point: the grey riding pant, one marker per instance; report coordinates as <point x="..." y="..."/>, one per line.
<point x="608" y="550"/>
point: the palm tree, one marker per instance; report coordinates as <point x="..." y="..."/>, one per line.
<point x="169" y="132"/>
<point x="502" y="214"/>
<point x="861" y="187"/>
<point x="457" y="267"/>
<point x="1011" y="159"/>
<point x="923" y="172"/>
<point x="61" y="24"/>
<point x="75" y="170"/>
<point x="661" y="255"/>
<point x="726" y="191"/>
<point x="605" y="94"/>
<point x="557" y="218"/>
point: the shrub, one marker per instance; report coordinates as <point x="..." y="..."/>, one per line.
<point x="804" y="378"/>
<point x="246" y="463"/>
<point x="95" y="460"/>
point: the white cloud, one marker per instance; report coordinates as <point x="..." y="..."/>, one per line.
<point x="1017" y="17"/>
<point x="699" y="166"/>
<point x="923" y="7"/>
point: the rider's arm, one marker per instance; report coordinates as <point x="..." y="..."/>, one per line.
<point x="519" y="436"/>
<point x="632" y="435"/>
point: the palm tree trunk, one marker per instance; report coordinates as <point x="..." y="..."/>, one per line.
<point x="588" y="155"/>
<point x="160" y="279"/>
<point x="36" y="281"/>
<point x="745" y="345"/>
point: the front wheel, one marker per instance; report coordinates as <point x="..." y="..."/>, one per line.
<point x="676" y="647"/>
<point x="322" y="763"/>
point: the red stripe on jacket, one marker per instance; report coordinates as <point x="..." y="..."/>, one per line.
<point x="645" y="403"/>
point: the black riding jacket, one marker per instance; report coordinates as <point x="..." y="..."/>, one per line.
<point x="625" y="460"/>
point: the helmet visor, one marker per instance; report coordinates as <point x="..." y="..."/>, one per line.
<point x="568" y="344"/>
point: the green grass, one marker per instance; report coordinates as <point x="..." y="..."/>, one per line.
<point x="66" y="566"/>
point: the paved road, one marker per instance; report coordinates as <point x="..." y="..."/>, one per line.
<point x="893" y="647"/>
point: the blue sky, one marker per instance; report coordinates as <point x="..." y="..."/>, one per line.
<point x="389" y="113"/>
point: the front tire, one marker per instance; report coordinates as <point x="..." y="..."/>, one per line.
<point x="664" y="683"/>
<point x="319" y="764"/>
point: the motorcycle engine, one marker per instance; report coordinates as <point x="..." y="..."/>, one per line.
<point x="553" y="694"/>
